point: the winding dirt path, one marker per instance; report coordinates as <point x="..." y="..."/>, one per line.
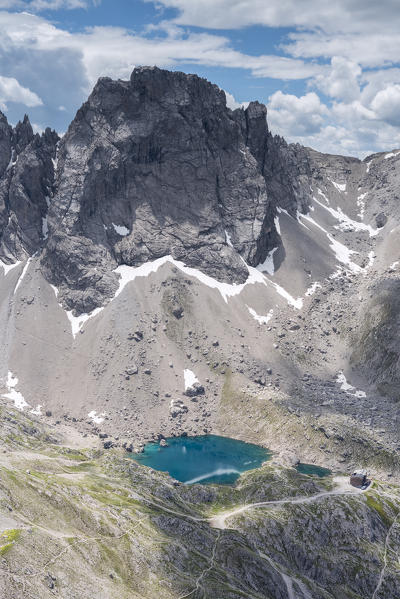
<point x="343" y="487"/>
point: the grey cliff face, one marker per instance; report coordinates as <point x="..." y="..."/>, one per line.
<point x="155" y="166"/>
<point x="26" y="184"/>
<point x="150" y="167"/>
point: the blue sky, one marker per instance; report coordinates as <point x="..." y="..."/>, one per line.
<point x="328" y="71"/>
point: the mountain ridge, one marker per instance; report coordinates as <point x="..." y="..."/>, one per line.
<point x="273" y="273"/>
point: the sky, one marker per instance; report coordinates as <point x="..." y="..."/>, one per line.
<point x="327" y="70"/>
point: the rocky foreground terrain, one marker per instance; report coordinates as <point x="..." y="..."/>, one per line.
<point x="79" y="522"/>
<point x="170" y="267"/>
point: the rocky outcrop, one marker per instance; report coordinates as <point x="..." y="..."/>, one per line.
<point x="154" y="166"/>
<point x="26" y="185"/>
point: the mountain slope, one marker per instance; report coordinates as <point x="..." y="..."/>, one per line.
<point x="181" y="235"/>
<point x="79" y="522"/>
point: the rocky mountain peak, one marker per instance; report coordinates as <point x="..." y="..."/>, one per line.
<point x="26" y="184"/>
<point x="158" y="165"/>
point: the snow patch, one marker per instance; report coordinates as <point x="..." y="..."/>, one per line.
<point x="394" y="265"/>
<point x="361" y="204"/>
<point x="321" y="193"/>
<point x="227" y="290"/>
<point x="277" y="224"/>
<point x="228" y="239"/>
<point x="97" y="418"/>
<point x="391" y="154"/>
<point x="260" y="319"/>
<point x="268" y="264"/>
<point x="77" y="322"/>
<point x="296" y="303"/>
<point x="130" y="273"/>
<point x="37" y="411"/>
<point x="342" y="253"/>
<point x="22" y="274"/>
<point x="121" y="230"/>
<point x="339" y="186"/>
<point x="371" y="258"/>
<point x="190" y="378"/>
<point x="311" y="290"/>
<point x="8" y="267"/>
<point x="345" y="222"/>
<point x="349" y="389"/>
<point x="13" y="394"/>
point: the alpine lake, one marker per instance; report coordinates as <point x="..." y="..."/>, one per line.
<point x="210" y="459"/>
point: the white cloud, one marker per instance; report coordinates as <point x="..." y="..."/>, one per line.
<point x="358" y="115"/>
<point x="367" y="48"/>
<point x="342" y="81"/>
<point x="12" y="91"/>
<point x="386" y="105"/>
<point x="231" y="102"/>
<point x="363" y="31"/>
<point x="114" y="51"/>
<point x="293" y="116"/>
<point x="338" y="16"/>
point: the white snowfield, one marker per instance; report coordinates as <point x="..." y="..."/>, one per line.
<point x="8" y="267"/>
<point x="13" y="394"/>
<point x="121" y="230"/>
<point x="349" y="389"/>
<point x="339" y="186"/>
<point x="190" y="378"/>
<point x="345" y="222"/>
<point x="228" y="239"/>
<point x="24" y="271"/>
<point x="268" y="264"/>
<point x="313" y="288"/>
<point x="361" y="204"/>
<point x="258" y="318"/>
<point x="17" y="397"/>
<point x="321" y="193"/>
<point x="392" y="154"/>
<point x="342" y="253"/>
<point x="128" y="274"/>
<point x="97" y="418"/>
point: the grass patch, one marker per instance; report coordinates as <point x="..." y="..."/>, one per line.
<point x="378" y="507"/>
<point x="7" y="539"/>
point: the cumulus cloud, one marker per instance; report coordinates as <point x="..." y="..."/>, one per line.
<point x="343" y="128"/>
<point x="342" y="82"/>
<point x="386" y="105"/>
<point x="12" y="91"/>
<point x="363" y="31"/>
<point x="338" y="16"/>
<point x="114" y="51"/>
<point x="292" y="116"/>
<point x="337" y="48"/>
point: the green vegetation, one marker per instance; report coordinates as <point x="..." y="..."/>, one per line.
<point x="7" y="540"/>
<point x="374" y="503"/>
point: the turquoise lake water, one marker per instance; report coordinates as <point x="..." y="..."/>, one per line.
<point x="204" y="459"/>
<point x="312" y="469"/>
